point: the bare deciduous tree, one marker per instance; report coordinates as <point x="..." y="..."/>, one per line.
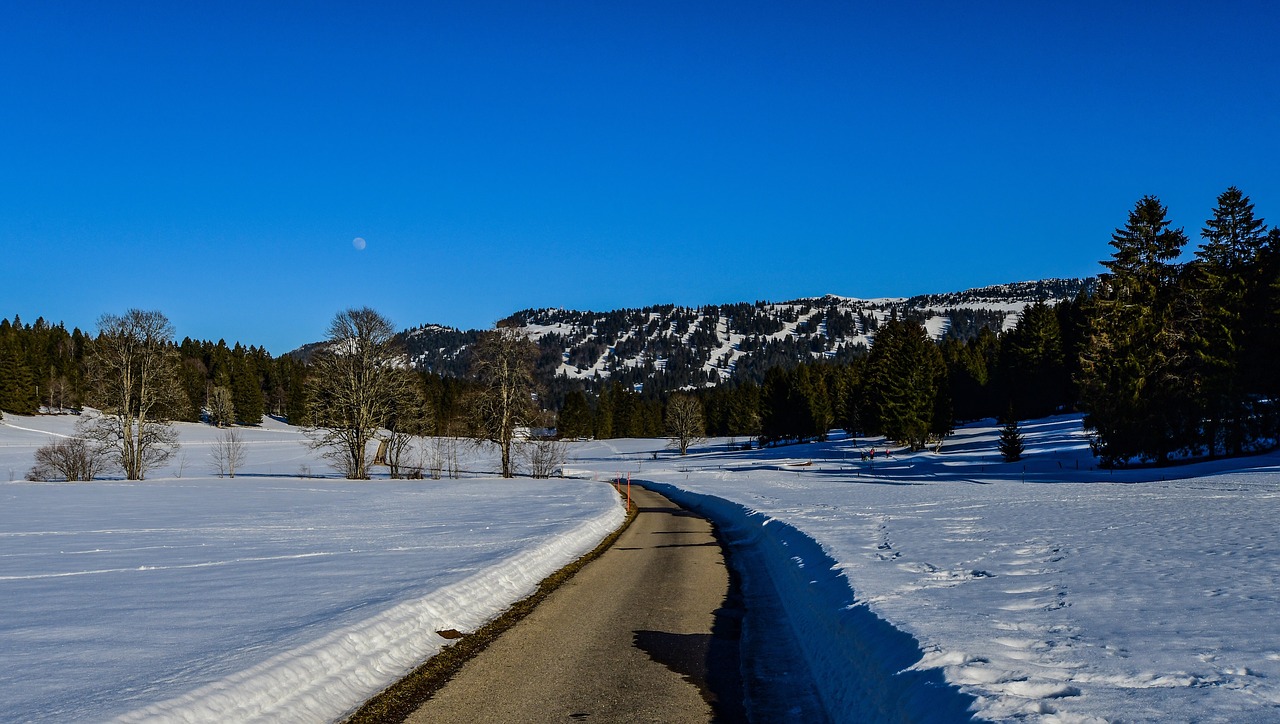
<point x="684" y="422"/>
<point x="544" y="456"/>
<point x="228" y="452"/>
<point x="70" y="459"/>
<point x="221" y="409"/>
<point x="59" y="389"/>
<point x="353" y="387"/>
<point x="503" y="366"/>
<point x="410" y="419"/>
<point x="133" y="370"/>
<point x="441" y="457"/>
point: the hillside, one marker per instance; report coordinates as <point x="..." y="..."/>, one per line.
<point x="668" y="347"/>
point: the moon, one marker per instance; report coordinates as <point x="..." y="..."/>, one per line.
<point x="358" y="243"/>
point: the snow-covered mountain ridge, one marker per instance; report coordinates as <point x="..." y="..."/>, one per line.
<point x="669" y="346"/>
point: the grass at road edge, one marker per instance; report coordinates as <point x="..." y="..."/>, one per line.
<point x="402" y="698"/>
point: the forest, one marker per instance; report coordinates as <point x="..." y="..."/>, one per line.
<point x="1169" y="359"/>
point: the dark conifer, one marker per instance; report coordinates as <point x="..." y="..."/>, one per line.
<point x="574" y="420"/>
<point x="1011" y="443"/>
<point x="905" y="378"/>
<point x="1136" y="359"/>
<point x="1224" y="281"/>
<point x="1035" y="376"/>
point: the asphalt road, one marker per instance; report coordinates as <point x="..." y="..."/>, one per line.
<point x="648" y="632"/>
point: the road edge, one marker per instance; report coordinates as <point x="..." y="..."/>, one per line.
<point x="398" y="701"/>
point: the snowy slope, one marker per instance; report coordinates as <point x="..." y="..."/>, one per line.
<point x="269" y="597"/>
<point x="1047" y="590"/>
<point x="675" y="347"/>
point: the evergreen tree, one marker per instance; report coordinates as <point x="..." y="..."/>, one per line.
<point x="905" y="394"/>
<point x="604" y="415"/>
<point x="777" y="411"/>
<point x="1135" y="363"/>
<point x="1264" y="313"/>
<point x="294" y="375"/>
<point x="847" y="402"/>
<point x="971" y="366"/>
<point x="812" y="402"/>
<point x="574" y="420"/>
<point x="627" y="418"/>
<point x="1033" y="370"/>
<point x="1073" y="325"/>
<point x="744" y="411"/>
<point x="1011" y="445"/>
<point x="17" y="384"/>
<point x="1226" y="281"/>
<point x="246" y="391"/>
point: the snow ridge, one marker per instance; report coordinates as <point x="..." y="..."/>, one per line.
<point x="319" y="680"/>
<point x="864" y="668"/>
<point x="674" y="347"/>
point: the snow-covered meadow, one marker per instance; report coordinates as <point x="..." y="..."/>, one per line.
<point x="268" y="597"/>
<point x="1046" y="589"/>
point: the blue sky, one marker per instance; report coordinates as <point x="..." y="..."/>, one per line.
<point x="215" y="161"/>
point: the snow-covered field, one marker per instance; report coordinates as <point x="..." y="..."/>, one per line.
<point x="268" y="597"/>
<point x="1046" y="589"/>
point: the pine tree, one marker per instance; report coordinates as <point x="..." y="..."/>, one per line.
<point x="1228" y="280"/>
<point x="777" y="413"/>
<point x="604" y="415"/>
<point x="574" y="420"/>
<point x="17" y="384"/>
<point x="905" y="394"/>
<point x="1011" y="443"/>
<point x="1033" y="370"/>
<point x="1264" y="314"/>
<point x="1136" y="360"/>
<point x="246" y="391"/>
<point x="812" y="402"/>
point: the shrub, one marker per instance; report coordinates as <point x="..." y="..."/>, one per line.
<point x="71" y="459"/>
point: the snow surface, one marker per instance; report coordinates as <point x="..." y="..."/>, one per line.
<point x="921" y="584"/>
<point x="1045" y="590"/>
<point x="270" y="597"/>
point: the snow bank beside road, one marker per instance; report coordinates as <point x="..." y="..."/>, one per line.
<point x="188" y="597"/>
<point x="1079" y="595"/>
<point x="863" y="666"/>
<point x="321" y="680"/>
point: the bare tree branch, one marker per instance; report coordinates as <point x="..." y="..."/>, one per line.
<point x="228" y="452"/>
<point x="503" y="365"/>
<point x="132" y="367"/>
<point x="354" y="388"/>
<point x="684" y="422"/>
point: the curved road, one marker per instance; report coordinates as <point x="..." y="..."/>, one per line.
<point x="648" y="632"/>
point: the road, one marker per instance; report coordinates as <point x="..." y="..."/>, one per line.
<point x="648" y="632"/>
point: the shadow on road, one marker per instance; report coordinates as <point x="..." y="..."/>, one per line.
<point x="711" y="662"/>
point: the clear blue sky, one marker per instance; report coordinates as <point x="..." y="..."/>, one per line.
<point x="216" y="160"/>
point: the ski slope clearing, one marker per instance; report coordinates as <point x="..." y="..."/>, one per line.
<point x="1046" y="590"/>
<point x="270" y="597"/>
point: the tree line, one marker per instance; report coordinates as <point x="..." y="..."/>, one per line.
<point x="44" y="365"/>
<point x="1179" y="358"/>
<point x="910" y="388"/>
<point x="1168" y="359"/>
